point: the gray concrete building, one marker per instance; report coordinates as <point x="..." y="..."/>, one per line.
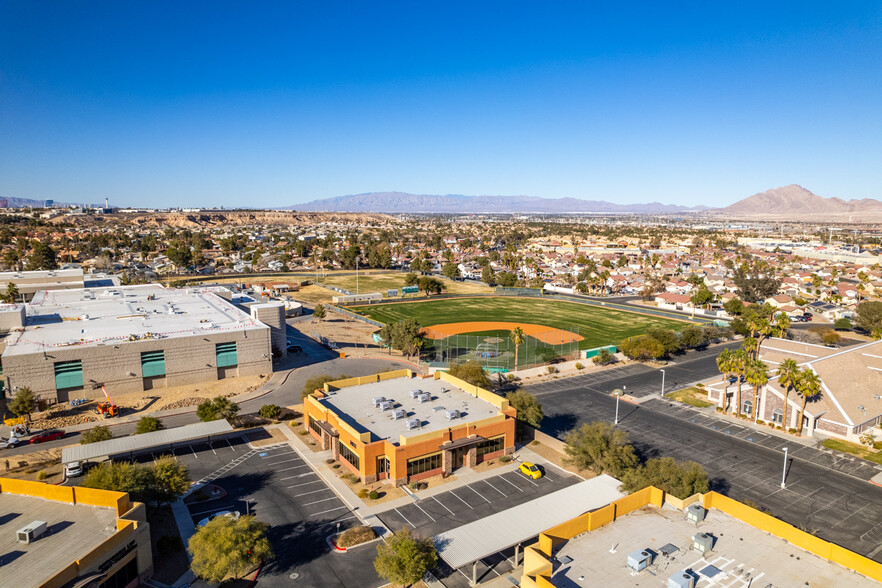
<point x="130" y="339"/>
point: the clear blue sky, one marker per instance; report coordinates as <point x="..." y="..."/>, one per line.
<point x="269" y="104"/>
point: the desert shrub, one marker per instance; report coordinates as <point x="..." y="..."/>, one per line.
<point x="330" y="460"/>
<point x="363" y="493"/>
<point x="551" y="369"/>
<point x="42" y="475"/>
<point x="356" y="536"/>
<point x="504" y="458"/>
<point x="579" y="366"/>
<point x="373" y="495"/>
<point x="270" y="411"/>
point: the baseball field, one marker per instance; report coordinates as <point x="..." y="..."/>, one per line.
<point x="597" y="326"/>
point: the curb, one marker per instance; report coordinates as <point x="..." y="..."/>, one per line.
<point x="330" y="541"/>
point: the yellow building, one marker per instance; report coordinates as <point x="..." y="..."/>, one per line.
<point x="401" y="427"/>
<point x="71" y="536"/>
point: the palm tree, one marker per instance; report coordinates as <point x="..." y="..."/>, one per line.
<point x="725" y="363"/>
<point x="517" y="337"/>
<point x="739" y="368"/>
<point x="788" y="372"/>
<point x="757" y="376"/>
<point x="808" y="385"/>
<point x="751" y="347"/>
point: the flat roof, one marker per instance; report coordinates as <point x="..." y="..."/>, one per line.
<point x="742" y="555"/>
<point x="354" y="405"/>
<point x="468" y="543"/>
<point x="95" y="316"/>
<point x="144" y="441"/>
<point x="42" y="275"/>
<point x="73" y="530"/>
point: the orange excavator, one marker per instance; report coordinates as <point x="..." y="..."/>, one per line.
<point x="107" y="409"/>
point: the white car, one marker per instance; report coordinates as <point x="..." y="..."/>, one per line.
<point x="9" y="443"/>
<point x="233" y="514"/>
<point x="73" y="469"/>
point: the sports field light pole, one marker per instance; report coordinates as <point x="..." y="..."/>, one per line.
<point x="617" y="393"/>
<point x="356" y="275"/>
<point x="784" y="473"/>
<point x="663" y="382"/>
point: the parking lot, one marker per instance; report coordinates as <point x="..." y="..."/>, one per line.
<point x="432" y="515"/>
<point x="277" y="486"/>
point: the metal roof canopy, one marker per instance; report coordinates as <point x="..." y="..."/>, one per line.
<point x="138" y="443"/>
<point x="473" y="541"/>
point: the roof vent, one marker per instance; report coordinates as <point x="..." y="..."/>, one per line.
<point x="424" y="397"/>
<point x="452" y="414"/>
<point x="399" y="413"/>
<point x="412" y="424"/>
<point x="377" y="400"/>
<point x="31" y="532"/>
<point x="386" y="405"/>
<point x="415" y="393"/>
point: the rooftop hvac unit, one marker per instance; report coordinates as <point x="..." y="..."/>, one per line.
<point x="639" y="560"/>
<point x="386" y="405"/>
<point x="378" y="400"/>
<point x="415" y="393"/>
<point x="695" y="513"/>
<point x="31" y="532"/>
<point x="703" y="542"/>
<point x="452" y="414"/>
<point x="412" y="423"/>
<point x="399" y="413"/>
<point x="681" y="580"/>
<point x="424" y="397"/>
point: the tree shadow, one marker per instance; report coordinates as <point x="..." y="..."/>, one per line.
<point x="243" y="484"/>
<point x="308" y="536"/>
<point x="560" y="424"/>
<point x="719" y="485"/>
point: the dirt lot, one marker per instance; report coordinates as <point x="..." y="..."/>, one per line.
<point x="28" y="466"/>
<point x="354" y="337"/>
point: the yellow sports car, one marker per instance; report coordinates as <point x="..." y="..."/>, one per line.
<point x="530" y="470"/>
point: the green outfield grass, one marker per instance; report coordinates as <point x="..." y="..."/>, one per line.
<point x="598" y="326"/>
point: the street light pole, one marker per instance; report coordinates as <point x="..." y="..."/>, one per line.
<point x="617" y="393"/>
<point x="784" y="473"/>
<point x="356" y="275"/>
<point x="663" y="383"/>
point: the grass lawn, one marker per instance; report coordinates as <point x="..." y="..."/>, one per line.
<point x="598" y="326"/>
<point x="383" y="281"/>
<point x="852" y="448"/>
<point x="692" y="396"/>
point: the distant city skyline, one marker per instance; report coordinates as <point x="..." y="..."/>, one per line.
<point x="209" y="104"/>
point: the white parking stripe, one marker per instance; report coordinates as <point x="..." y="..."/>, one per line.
<point x="324" y="511"/>
<point x="304" y="484"/>
<point x="442" y="504"/>
<point x="494" y="487"/>
<point x="405" y="518"/>
<point x="478" y="493"/>
<point x="291" y="468"/>
<point x="283" y="461"/>
<point x="518" y="488"/>
<point x="323" y="500"/>
<point x="311" y="492"/>
<point x="296" y="476"/>
<point x="460" y="499"/>
<point x="231" y="445"/>
<point x="194" y="452"/>
<point x="424" y="512"/>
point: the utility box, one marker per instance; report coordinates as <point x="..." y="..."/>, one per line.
<point x="703" y="542"/>
<point x="696" y="513"/>
<point x="681" y="580"/>
<point x="639" y="560"/>
<point x="31" y="532"/>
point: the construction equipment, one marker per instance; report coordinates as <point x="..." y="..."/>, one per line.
<point x="107" y="409"/>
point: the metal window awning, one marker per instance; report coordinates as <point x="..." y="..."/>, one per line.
<point x="146" y="441"/>
<point x="465" y="442"/>
<point x="476" y="540"/>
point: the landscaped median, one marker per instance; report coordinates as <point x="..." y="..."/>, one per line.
<point x="860" y="451"/>
<point x="693" y="396"/>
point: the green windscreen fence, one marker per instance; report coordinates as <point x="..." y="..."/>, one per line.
<point x="226" y="354"/>
<point x="152" y="364"/>
<point x="68" y="374"/>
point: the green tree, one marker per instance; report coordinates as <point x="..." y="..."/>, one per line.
<point x="430" y="285"/>
<point x="842" y="324"/>
<point x="808" y="385"/>
<point x="148" y="424"/>
<point x="680" y="479"/>
<point x="403" y="558"/>
<point x="869" y="318"/>
<point x="755" y="284"/>
<point x="451" y="270"/>
<point x="667" y="337"/>
<point x="170" y="479"/>
<point x="487" y="274"/>
<point x="517" y="337"/>
<point x="726" y="366"/>
<point x="229" y="548"/>
<point x="11" y="295"/>
<point x="734" y="307"/>
<point x="693" y="337"/>
<point x="411" y="279"/>
<point x="529" y="409"/>
<point x="317" y="383"/>
<point x="642" y="347"/>
<point x="601" y="448"/>
<point x="757" y="375"/>
<point x="42" y="257"/>
<point x="788" y="372"/>
<point x="603" y="357"/>
<point x="739" y="368"/>
<point x="318" y="312"/>
<point x="218" y="408"/>
<point x="701" y="296"/>
<point x="270" y="411"/>
<point x="24" y="403"/>
<point x="121" y="477"/>
<point x="470" y="372"/>
<point x="95" y="434"/>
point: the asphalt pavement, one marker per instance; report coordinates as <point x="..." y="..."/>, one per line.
<point x="827" y="494"/>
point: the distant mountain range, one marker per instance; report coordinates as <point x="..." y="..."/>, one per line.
<point x="794" y="201"/>
<point x="32" y="203"/>
<point x="422" y="203"/>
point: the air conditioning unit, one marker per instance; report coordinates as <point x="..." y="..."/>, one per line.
<point x="412" y="423"/>
<point x="386" y="405"/>
<point x="378" y="400"/>
<point x="452" y="414"/>
<point x="415" y="393"/>
<point x="696" y="513"/>
<point x="681" y="580"/>
<point x="31" y="532"/>
<point x="703" y="542"/>
<point x="639" y="560"/>
<point x="424" y="397"/>
<point x="399" y="413"/>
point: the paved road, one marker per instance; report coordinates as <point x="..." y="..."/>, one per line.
<point x="825" y="493"/>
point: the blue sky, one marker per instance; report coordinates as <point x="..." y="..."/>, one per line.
<point x="269" y="104"/>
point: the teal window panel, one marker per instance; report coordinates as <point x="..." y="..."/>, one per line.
<point x="152" y="364"/>
<point x="226" y="354"/>
<point x="68" y="374"/>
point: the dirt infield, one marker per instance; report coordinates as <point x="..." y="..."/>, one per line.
<point x="548" y="335"/>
